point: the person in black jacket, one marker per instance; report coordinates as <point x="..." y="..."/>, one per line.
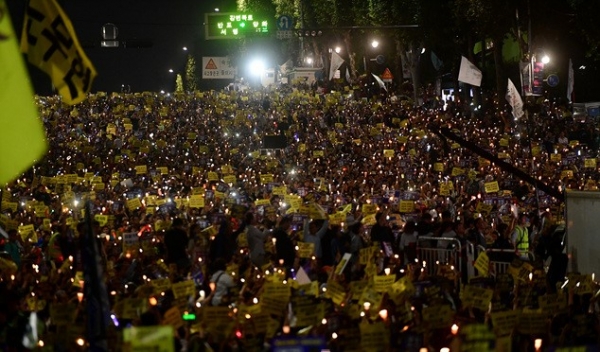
<point x="284" y="246"/>
<point x="176" y="243"/>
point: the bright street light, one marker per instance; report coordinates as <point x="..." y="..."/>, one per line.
<point x="309" y="60"/>
<point x="338" y="49"/>
<point x="185" y="48"/>
<point x="545" y="59"/>
<point x="257" y="67"/>
<point x="374" y="43"/>
<point x="171" y="70"/>
<point x="216" y="9"/>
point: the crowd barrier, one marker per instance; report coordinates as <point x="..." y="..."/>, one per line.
<point x="429" y="254"/>
<point x="498" y="267"/>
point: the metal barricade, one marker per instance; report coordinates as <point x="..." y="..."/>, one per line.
<point x="498" y="267"/>
<point x="429" y="255"/>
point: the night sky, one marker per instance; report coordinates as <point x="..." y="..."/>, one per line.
<point x="167" y="26"/>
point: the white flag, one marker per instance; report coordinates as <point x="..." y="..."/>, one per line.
<point x="571" y="81"/>
<point x="286" y="67"/>
<point x="336" y="62"/>
<point x="469" y="73"/>
<point x="380" y="82"/>
<point x="514" y="99"/>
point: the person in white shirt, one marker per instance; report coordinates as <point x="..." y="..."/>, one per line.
<point x="408" y="241"/>
<point x="256" y="241"/>
<point x="221" y="283"/>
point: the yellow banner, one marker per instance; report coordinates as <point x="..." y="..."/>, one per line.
<point x="16" y="100"/>
<point x="50" y="43"/>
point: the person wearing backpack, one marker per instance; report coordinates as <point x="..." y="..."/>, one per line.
<point x="221" y="284"/>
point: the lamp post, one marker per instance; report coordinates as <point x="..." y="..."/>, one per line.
<point x="374" y="45"/>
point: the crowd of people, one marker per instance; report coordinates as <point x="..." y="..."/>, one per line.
<point x="204" y="227"/>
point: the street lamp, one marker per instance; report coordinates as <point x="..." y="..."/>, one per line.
<point x="338" y="49"/>
<point x="185" y="48"/>
<point x="374" y="45"/>
<point x="545" y="59"/>
<point x="171" y="70"/>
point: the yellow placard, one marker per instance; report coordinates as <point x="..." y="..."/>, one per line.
<point x="555" y="157"/>
<point x="183" y="289"/>
<point x="406" y="206"/>
<point x="266" y="178"/>
<point x="133" y="204"/>
<point x="492" y="187"/>
<point x="173" y="317"/>
<point x="229" y="179"/>
<point x="149" y="338"/>
<point x="438" y="167"/>
<point x="280" y="190"/>
<point x="566" y="174"/>
<point x="368" y="209"/>
<point x="141" y="169"/>
<point x="102" y="219"/>
<point x="196" y="201"/>
<point x="213" y="176"/>
<point x="318" y="153"/>
<point x="457" y="171"/>
<point x="374" y="337"/>
<point x="505" y="321"/>
<point x="163" y="170"/>
<point x="306" y="249"/>
<point x="482" y="264"/>
<point x="383" y="283"/>
<point x="369" y="220"/>
<point x="590" y="163"/>
<point x="388" y="153"/>
<point x="259" y="202"/>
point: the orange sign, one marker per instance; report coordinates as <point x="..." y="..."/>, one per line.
<point x="211" y="65"/>
<point x="387" y="75"/>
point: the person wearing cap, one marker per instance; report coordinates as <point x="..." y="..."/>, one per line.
<point x="520" y="236"/>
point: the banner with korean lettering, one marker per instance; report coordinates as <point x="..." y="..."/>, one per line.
<point x="214" y="67"/>
<point x="50" y="43"/>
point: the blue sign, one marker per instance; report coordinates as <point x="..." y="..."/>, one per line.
<point x="298" y="344"/>
<point x="552" y="80"/>
<point x="284" y="23"/>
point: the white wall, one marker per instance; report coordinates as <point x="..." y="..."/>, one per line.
<point x="583" y="231"/>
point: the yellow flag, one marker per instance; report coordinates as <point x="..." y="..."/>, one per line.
<point x="50" y="43"/>
<point x="19" y="118"/>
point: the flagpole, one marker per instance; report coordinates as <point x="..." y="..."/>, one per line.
<point x="94" y="289"/>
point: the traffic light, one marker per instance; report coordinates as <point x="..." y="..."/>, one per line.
<point x="309" y="33"/>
